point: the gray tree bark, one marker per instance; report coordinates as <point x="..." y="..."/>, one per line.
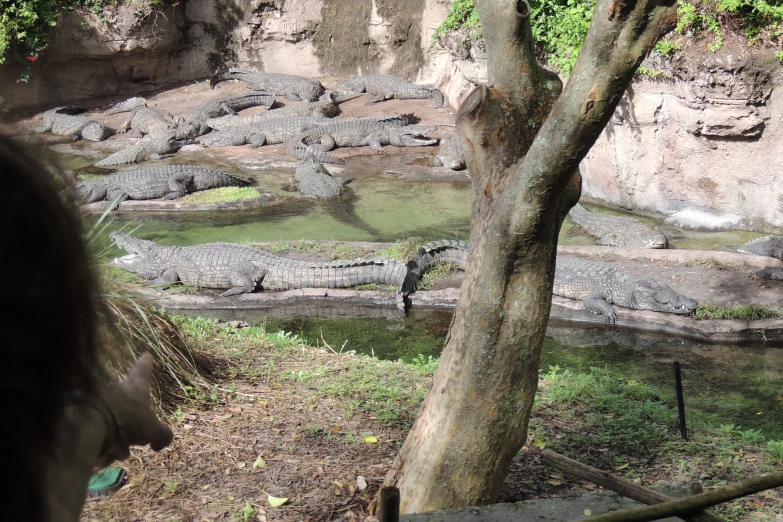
<point x="523" y="144"/>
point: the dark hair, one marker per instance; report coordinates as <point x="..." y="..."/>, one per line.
<point x="48" y="327"/>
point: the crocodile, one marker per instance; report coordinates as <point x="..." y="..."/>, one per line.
<point x="196" y="118"/>
<point x="67" y="121"/>
<point x="314" y="180"/>
<point x="450" y="154"/>
<point x="770" y="246"/>
<point x="159" y="181"/>
<point x="597" y="284"/>
<point x="375" y="132"/>
<point x="126" y="106"/>
<point x="386" y="87"/>
<point x="241" y="269"/>
<point x="292" y="87"/>
<point x="269" y="132"/>
<point x="618" y="231"/>
<point x="148" y="148"/>
<point x="148" y="120"/>
<point x="326" y="107"/>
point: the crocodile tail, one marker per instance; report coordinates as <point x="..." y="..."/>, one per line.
<point x="340" y="97"/>
<point x="761" y="246"/>
<point x="430" y="255"/>
<point x="220" y="76"/>
<point x="307" y="153"/>
<point x="126" y="106"/>
<point x="437" y="98"/>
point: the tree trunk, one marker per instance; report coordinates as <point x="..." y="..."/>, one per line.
<point x="523" y="146"/>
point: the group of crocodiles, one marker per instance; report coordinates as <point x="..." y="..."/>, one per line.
<point x="239" y="269"/>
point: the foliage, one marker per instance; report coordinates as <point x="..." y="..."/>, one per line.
<point x="221" y="194"/>
<point x="749" y="312"/>
<point x="756" y="18"/>
<point x="462" y="13"/>
<point x="559" y="27"/>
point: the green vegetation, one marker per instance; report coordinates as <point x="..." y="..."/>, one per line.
<point x="24" y="24"/>
<point x="709" y="263"/>
<point x="560" y="26"/>
<point x="430" y="279"/>
<point x="402" y="249"/>
<point x="333" y="250"/>
<point x="749" y="312"/>
<point x="221" y="194"/>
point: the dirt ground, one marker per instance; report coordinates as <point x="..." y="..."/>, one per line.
<point x="179" y="100"/>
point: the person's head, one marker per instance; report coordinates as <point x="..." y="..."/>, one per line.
<point x="47" y="325"/>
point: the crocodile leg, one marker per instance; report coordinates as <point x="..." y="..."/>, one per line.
<point x="115" y="197"/>
<point x="77" y="134"/>
<point x="774" y="273"/>
<point x="293" y="96"/>
<point x="256" y="140"/>
<point x="380" y="97"/>
<point x="599" y="306"/>
<point x="244" y="279"/>
<point x="327" y="143"/>
<point x="168" y="278"/>
<point x="178" y="185"/>
<point x="375" y="144"/>
<point x="45" y="127"/>
<point x="226" y="107"/>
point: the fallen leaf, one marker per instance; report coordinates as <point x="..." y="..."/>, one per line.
<point x="351" y="488"/>
<point x="554" y="482"/>
<point x="587" y="512"/>
<point x="369" y="439"/>
<point x="361" y="483"/>
<point x="623" y="466"/>
<point x="225" y="417"/>
<point x="539" y="443"/>
<point x="276" y="501"/>
<point x="231" y="497"/>
<point x="337" y="483"/>
<point x="235" y="410"/>
<point x="259" y="463"/>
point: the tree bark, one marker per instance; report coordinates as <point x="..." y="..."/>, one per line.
<point x="523" y="146"/>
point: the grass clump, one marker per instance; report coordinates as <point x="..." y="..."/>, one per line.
<point x="430" y="279"/>
<point x="333" y="250"/>
<point x="402" y="249"/>
<point x="221" y="194"/>
<point x="749" y="312"/>
<point x="709" y="263"/>
<point x="755" y="19"/>
<point x="462" y="13"/>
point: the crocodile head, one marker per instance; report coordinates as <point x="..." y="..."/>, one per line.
<point x="411" y="136"/>
<point x="144" y="258"/>
<point x="660" y="297"/>
<point x="96" y="132"/>
<point x="90" y="191"/>
<point x="311" y="92"/>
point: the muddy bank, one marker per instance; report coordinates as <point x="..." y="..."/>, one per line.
<point x="265" y="198"/>
<point x="728" y="279"/>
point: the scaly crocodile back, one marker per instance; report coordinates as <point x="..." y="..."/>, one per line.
<point x="761" y="246"/>
<point x="126" y="106"/>
<point x="444" y="251"/>
<point x="619" y="231"/>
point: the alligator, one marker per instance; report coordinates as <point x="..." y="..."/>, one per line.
<point x="597" y="284"/>
<point x="618" y="231"/>
<point x="770" y="246"/>
<point x="326" y="107"/>
<point x="240" y="269"/>
<point x="126" y="106"/>
<point x="450" y="154"/>
<point x="159" y="181"/>
<point x="292" y="87"/>
<point x="148" y="148"/>
<point x="375" y="132"/>
<point x="66" y="121"/>
<point x="269" y="132"/>
<point x="196" y="118"/>
<point x="314" y="180"/>
<point x="148" y="120"/>
<point x="386" y="87"/>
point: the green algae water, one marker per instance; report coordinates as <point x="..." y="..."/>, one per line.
<point x="737" y="385"/>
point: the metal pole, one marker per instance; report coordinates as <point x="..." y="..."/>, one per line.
<point x="389" y="505"/>
<point x="680" y="401"/>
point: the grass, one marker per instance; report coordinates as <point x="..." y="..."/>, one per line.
<point x="430" y="279"/>
<point x="222" y="194"/>
<point x="749" y="312"/>
<point x="333" y="250"/>
<point x="708" y="263"/>
<point x="402" y="249"/>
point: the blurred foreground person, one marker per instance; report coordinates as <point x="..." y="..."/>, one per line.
<point x="62" y="418"/>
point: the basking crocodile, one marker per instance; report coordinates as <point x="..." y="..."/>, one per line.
<point x="386" y="87"/>
<point x="327" y="107"/>
<point x="375" y="132"/>
<point x="66" y="121"/>
<point x="314" y="180"/>
<point x="126" y="106"/>
<point x="196" y="118"/>
<point x="148" y="120"/>
<point x="149" y="147"/>
<point x="264" y="132"/>
<point x="240" y="269"/>
<point x="597" y="284"/>
<point x="159" y="181"/>
<point x="293" y="87"/>
<point x="766" y="246"/>
<point x="450" y="154"/>
<point x="618" y="231"/>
